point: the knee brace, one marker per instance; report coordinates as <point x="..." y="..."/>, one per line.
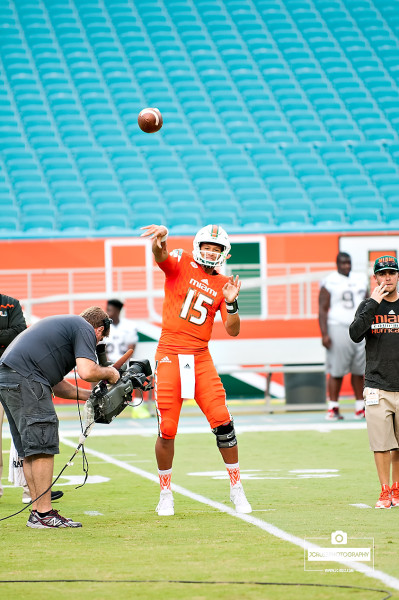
<point x="225" y="435"/>
<point x="168" y="429"/>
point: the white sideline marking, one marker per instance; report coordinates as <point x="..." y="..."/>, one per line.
<point x="258" y="474"/>
<point x="93" y="513"/>
<point x="386" y="579"/>
<point x="136" y="429"/>
<point x="360" y="505"/>
<point x="79" y="479"/>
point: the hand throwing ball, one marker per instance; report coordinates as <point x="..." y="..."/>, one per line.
<point x="150" y="120"/>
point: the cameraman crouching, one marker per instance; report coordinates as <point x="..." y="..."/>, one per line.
<point x="31" y="369"/>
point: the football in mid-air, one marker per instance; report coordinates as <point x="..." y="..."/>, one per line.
<point x="150" y="120"/>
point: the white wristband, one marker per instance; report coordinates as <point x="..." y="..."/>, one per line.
<point x="165" y="237"/>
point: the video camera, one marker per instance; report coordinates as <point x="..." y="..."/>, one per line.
<point x="107" y="401"/>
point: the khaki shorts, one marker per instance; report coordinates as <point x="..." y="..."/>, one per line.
<point x="382" y="416"/>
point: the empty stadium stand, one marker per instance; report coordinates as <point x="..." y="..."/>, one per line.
<point x="279" y="115"/>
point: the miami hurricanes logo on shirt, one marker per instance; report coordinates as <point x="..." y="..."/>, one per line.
<point x="386" y="323"/>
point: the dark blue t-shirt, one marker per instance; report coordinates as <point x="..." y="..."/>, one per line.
<point x="47" y="351"/>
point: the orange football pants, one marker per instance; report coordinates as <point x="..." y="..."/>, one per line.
<point x="209" y="392"/>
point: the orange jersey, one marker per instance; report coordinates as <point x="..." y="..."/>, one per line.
<point x="192" y="298"/>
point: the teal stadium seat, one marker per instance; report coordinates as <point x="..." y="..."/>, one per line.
<point x="192" y="219"/>
<point x="9" y="225"/>
<point x="111" y="222"/>
<point x="185" y="207"/>
<point x="366" y="203"/>
<point x="77" y="223"/>
<point x="391" y="216"/>
<point x="189" y="230"/>
<point x="70" y="210"/>
<point x="359" y="217"/>
<point x="256" y="220"/>
<point x="324" y="217"/>
<point x="226" y="220"/>
<point x="9" y="212"/>
<point x="38" y="223"/>
<point x="248" y="205"/>
<point x="293" y="205"/>
<point x="291" y="219"/>
<point x="37" y="210"/>
<point x="62" y="198"/>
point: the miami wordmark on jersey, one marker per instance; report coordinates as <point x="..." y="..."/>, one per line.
<point x="192" y="298"/>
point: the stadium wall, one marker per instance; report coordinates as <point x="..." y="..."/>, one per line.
<point x="89" y="254"/>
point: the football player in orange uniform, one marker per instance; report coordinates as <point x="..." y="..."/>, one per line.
<point x="194" y="292"/>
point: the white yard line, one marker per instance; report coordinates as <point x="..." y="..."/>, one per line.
<point x="386" y="579"/>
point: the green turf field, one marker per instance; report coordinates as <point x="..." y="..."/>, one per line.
<point x="203" y="552"/>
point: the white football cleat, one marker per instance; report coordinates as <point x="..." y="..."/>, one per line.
<point x="165" y="506"/>
<point x="238" y="498"/>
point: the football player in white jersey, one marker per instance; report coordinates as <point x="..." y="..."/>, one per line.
<point x="123" y="333"/>
<point x="122" y="337"/>
<point x="340" y="295"/>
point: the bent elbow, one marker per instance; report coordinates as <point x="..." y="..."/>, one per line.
<point x="86" y="369"/>
<point x="355" y="338"/>
<point x="84" y="374"/>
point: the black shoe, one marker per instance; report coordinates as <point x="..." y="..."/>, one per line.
<point x="56" y="495"/>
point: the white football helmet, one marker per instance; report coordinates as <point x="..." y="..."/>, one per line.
<point x="211" y="234"/>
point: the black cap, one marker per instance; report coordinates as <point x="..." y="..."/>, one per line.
<point x="385" y="263"/>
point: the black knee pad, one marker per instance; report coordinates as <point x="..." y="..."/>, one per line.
<point x="225" y="435"/>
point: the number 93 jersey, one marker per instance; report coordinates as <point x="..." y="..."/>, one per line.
<point x="346" y="294"/>
<point x="192" y="298"/>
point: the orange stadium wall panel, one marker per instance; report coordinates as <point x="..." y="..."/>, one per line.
<point x="47" y="254"/>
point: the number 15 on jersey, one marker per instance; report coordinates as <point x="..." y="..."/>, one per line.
<point x="192" y="305"/>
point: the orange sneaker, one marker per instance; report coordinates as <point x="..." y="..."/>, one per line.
<point x="395" y="494"/>
<point x="384" y="501"/>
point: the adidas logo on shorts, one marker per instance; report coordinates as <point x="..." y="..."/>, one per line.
<point x="165" y="359"/>
<point x="187" y="366"/>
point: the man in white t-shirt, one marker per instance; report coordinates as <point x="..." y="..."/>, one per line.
<point x="123" y="333"/>
<point x="340" y="294"/>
